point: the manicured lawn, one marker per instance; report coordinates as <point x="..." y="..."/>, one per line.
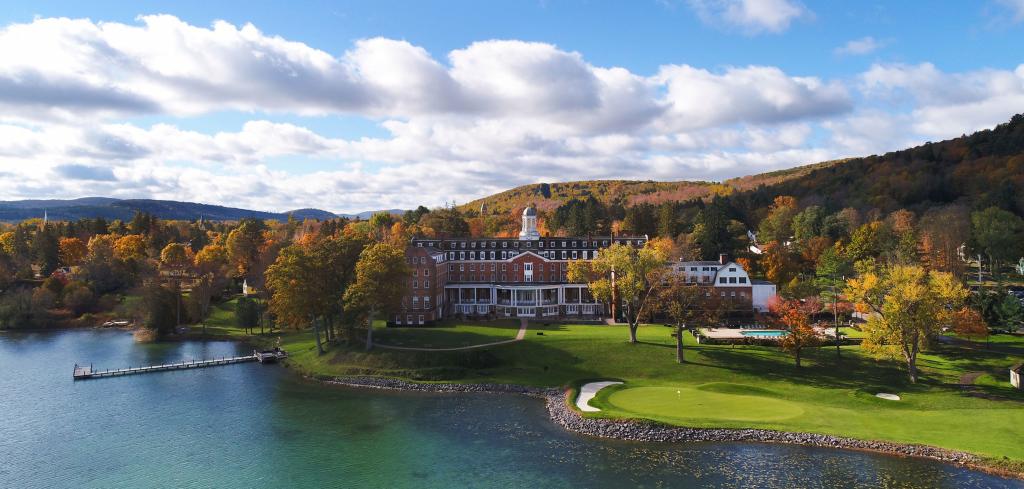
<point x="719" y="386"/>
<point x="449" y="334"/>
<point x="704" y="403"/>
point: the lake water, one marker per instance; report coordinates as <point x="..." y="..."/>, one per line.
<point x="250" y="425"/>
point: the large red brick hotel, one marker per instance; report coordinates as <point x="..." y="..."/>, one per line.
<point x="506" y="277"/>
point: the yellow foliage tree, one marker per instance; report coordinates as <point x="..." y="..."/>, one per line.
<point x="907" y="307"/>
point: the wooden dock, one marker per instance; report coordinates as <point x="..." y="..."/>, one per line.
<point x="83" y="372"/>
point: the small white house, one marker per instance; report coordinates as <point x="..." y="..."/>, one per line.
<point x="1015" y="373"/>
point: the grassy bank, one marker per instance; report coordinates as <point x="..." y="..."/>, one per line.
<point x="720" y="385"/>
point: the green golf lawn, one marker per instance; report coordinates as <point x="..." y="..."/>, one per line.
<point x="685" y="404"/>
<point x="448" y="334"/>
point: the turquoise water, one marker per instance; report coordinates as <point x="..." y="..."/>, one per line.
<point x="767" y="332"/>
<point x="250" y="425"/>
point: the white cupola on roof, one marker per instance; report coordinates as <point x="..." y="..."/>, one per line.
<point x="529" y="230"/>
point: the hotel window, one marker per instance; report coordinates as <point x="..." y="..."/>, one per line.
<point x="415" y="273"/>
<point x="721" y="280"/>
<point x="743" y="280"/>
<point x="462" y="244"/>
<point x="492" y="267"/>
<point x="604" y="242"/>
<point x="426" y="302"/>
<point x="462" y="268"/>
<point x="517" y="244"/>
<point x="529" y="244"/>
<point x="732" y="280"/>
<point x="743" y="294"/>
<point x="693" y="269"/>
<point x="492" y="255"/>
<point x="419" y="245"/>
<point x="574" y="254"/>
<point x="415" y="302"/>
<point x="426" y="272"/>
<point x="426" y="284"/>
<point x="415" y="284"/>
<point x="408" y="319"/>
<point x="574" y="243"/>
<point x="503" y="267"/>
<point x="504" y="244"/>
<point x="504" y="278"/>
<point x="492" y="244"/>
<point x="515" y="268"/>
<point x="563" y="244"/>
<point x="732" y="294"/>
<point x="540" y="244"/>
<point x="732" y="269"/>
<point x="451" y="255"/>
<point x="722" y="293"/>
<point x="421" y="318"/>
<point x="540" y="267"/>
<point x="462" y="255"/>
<point x="563" y="255"/>
<point x="472" y="268"/>
<point x="451" y="268"/>
<point x="472" y="245"/>
<point x="504" y="255"/>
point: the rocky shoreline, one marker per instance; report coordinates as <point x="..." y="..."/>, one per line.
<point x="646" y="431"/>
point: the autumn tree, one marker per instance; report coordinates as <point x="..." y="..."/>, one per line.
<point x="685" y="305"/>
<point x="380" y="283"/>
<point x="794" y="316"/>
<point x="907" y="306"/>
<point x="778" y="225"/>
<point x="968" y="323"/>
<point x="308" y="280"/>
<point x="245" y="244"/>
<point x="176" y="256"/>
<point x="71" y="251"/>
<point x="622" y="274"/>
<point x="130" y="248"/>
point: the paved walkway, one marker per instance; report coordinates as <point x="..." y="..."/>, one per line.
<point x="588" y="391"/>
<point x="519" y="337"/>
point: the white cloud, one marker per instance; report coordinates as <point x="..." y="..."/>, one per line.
<point x="1016" y="8"/>
<point x="698" y="98"/>
<point x="948" y="104"/>
<point x="751" y="16"/>
<point x="857" y="47"/>
<point x="483" y="118"/>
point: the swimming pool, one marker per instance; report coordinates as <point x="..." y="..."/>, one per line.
<point x="764" y="333"/>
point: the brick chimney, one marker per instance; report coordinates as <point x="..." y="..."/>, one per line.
<point x="723" y="258"/>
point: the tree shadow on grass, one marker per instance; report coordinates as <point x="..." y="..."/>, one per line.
<point x="821" y="369"/>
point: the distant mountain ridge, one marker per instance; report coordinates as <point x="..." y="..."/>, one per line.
<point x="124" y="209"/>
<point x="548" y="196"/>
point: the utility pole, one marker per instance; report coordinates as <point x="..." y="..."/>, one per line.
<point x="835" y="313"/>
<point x="979" y="271"/>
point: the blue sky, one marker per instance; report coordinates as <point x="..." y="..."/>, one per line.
<point x="350" y="106"/>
